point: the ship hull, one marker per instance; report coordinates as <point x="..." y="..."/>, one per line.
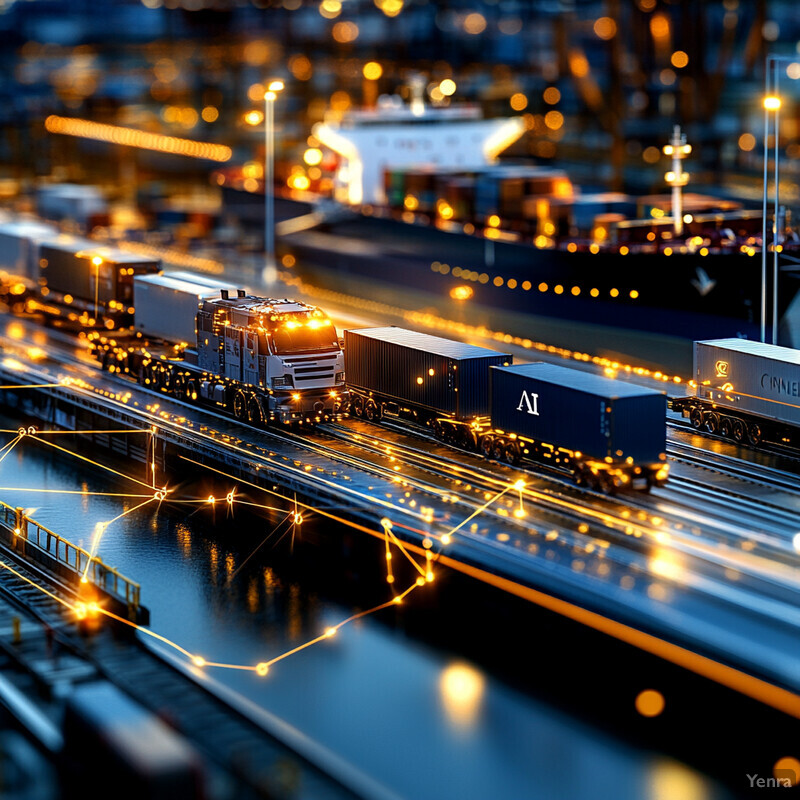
<point x="685" y="295"/>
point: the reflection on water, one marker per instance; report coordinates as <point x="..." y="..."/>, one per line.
<point x="418" y="719"/>
<point x="669" y="779"/>
<point x="462" y="688"/>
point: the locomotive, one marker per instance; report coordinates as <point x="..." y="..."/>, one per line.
<point x="263" y="360"/>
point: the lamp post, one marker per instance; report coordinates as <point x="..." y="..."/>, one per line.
<point x="676" y="177"/>
<point x="269" y="181"/>
<point x="772" y="103"/>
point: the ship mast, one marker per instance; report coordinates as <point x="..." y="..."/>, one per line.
<point x="676" y="177"/>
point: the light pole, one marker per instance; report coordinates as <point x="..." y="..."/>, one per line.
<point x="676" y="177"/>
<point x="269" y="181"/>
<point x="772" y="102"/>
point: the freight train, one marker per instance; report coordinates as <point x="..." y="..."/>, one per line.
<point x="607" y="434"/>
<point x="280" y="361"/>
<point x="64" y="277"/>
<point x="748" y="392"/>
<point x="260" y="359"/>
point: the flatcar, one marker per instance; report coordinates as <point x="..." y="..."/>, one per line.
<point x="607" y="434"/>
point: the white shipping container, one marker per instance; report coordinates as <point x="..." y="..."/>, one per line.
<point x="19" y="241"/>
<point x="166" y="308"/>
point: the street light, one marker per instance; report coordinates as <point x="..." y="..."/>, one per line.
<point x="772" y="103"/>
<point x="269" y="183"/>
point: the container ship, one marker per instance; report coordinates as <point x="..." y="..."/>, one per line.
<point x="432" y="210"/>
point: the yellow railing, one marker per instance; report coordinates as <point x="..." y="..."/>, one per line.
<point x="65" y="552"/>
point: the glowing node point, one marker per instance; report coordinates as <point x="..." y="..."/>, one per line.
<point x="262" y="669"/>
<point x="520" y="513"/>
<point x="445" y="538"/>
<point x="519" y="485"/>
<point x="397" y="600"/>
<point x="330" y="632"/>
<point x="17" y="531"/>
<point x="211" y="500"/>
<point x="386" y="523"/>
<point x="429" y="577"/>
<point x="229" y="498"/>
<point x="390" y="579"/>
<point x="198" y="661"/>
<point x="388" y="556"/>
<point x="420" y="581"/>
<point x="80" y="611"/>
<point x="427" y="543"/>
<point x="84" y="579"/>
<point x="298" y="518"/>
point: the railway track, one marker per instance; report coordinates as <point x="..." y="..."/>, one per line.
<point x="51" y="648"/>
<point x="730" y="466"/>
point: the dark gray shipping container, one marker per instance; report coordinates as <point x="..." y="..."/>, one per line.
<point x="752" y="377"/>
<point x="578" y="411"/>
<point x="436" y="374"/>
<point x="67" y="266"/>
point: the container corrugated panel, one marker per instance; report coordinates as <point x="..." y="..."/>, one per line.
<point x="439" y="374"/>
<point x="166" y="308"/>
<point x="753" y="377"/>
<point x="18" y="246"/>
<point x="67" y="274"/>
<point x="578" y="411"/>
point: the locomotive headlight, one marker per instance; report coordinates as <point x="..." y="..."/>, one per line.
<point x="339" y="377"/>
<point x="283" y="381"/>
<point x="295" y="395"/>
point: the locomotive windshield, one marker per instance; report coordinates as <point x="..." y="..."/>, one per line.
<point x="300" y="337"/>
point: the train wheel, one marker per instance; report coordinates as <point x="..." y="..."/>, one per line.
<point x="255" y="414"/>
<point x="754" y="433"/>
<point x="711" y="422"/>
<point x="470" y="440"/>
<point x="179" y="387"/>
<point x="696" y="418"/>
<point x="191" y="390"/>
<point x="371" y="411"/>
<point x="511" y="453"/>
<point x="726" y="427"/>
<point x="486" y="444"/>
<point x="436" y="427"/>
<point x="739" y="431"/>
<point x="498" y="449"/>
<point x="358" y="406"/>
<point x="240" y="405"/>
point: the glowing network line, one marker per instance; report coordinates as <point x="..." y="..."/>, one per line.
<point x="10" y="446"/>
<point x="100" y="530"/>
<point x="94" y="463"/>
<point x="85" y="493"/>
<point x="38" y="432"/>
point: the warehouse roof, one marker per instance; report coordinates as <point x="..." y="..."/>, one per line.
<point x="772" y="351"/>
<point x="436" y="345"/>
<point x="579" y="380"/>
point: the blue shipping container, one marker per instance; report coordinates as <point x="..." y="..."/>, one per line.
<point x="579" y="411"/>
